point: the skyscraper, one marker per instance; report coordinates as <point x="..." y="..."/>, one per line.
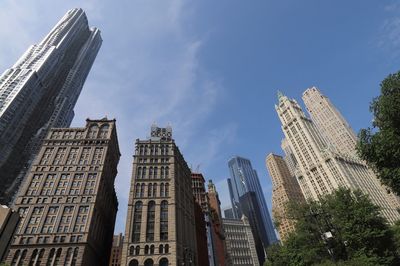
<point x="321" y="169"/>
<point x="68" y="203"/>
<point x="330" y="122"/>
<point x="39" y="92"/>
<point x="160" y="224"/>
<point x="245" y="179"/>
<point x="285" y="189"/>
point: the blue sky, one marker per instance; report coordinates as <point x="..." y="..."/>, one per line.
<point x="212" y="68"/>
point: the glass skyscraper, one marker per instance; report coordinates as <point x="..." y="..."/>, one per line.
<point x="244" y="179"/>
<point x="40" y="91"/>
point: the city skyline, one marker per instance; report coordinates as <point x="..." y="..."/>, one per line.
<point x="224" y="136"/>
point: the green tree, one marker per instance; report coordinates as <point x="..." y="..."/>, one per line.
<point x="343" y="228"/>
<point x="380" y="145"/>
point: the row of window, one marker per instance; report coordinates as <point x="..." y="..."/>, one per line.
<point x="54" y="257"/>
<point x="150" y="221"/>
<point x="152" y="172"/>
<point x="140" y="190"/>
<point x="93" y="132"/>
<point x="149" y="262"/>
<point x="148" y="249"/>
<point x="152" y="149"/>
<point x="61" y="156"/>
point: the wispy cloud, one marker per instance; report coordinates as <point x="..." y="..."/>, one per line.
<point x="389" y="39"/>
<point x="147" y="71"/>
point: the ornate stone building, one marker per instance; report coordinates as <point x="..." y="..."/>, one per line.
<point x="68" y="202"/>
<point x="240" y="242"/>
<point x="285" y="189"/>
<point x="160" y="225"/>
<point x="321" y="168"/>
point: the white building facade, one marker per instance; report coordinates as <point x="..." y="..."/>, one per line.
<point x="320" y="167"/>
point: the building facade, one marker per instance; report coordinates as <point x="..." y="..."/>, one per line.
<point x="245" y="179"/>
<point x="240" y="242"/>
<point x="160" y="225"/>
<point x="201" y="197"/>
<point x="330" y="121"/>
<point x="116" y="250"/>
<point x="40" y="91"/>
<point x="68" y="203"/>
<point x="321" y="168"/>
<point x="285" y="189"/>
<point x="8" y="223"/>
<point x="218" y="233"/>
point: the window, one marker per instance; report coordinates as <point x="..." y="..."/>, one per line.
<point x="150" y="221"/>
<point x="93" y="131"/>
<point x="137" y="221"/>
<point x="164" y="220"/>
<point x="104" y="131"/>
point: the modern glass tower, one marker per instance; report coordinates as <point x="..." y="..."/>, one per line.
<point x="40" y="91"/>
<point x="245" y="179"/>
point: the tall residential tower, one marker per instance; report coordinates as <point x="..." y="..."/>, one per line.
<point x="40" y="91"/>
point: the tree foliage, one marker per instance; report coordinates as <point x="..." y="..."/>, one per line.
<point x="380" y="145"/>
<point x="343" y="228"/>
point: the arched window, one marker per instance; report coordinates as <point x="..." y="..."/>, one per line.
<point x="68" y="258"/>
<point x="150" y="190"/>
<point x="164" y="220"/>
<point x="137" y="221"/>
<point x="131" y="251"/>
<point x="146" y="249"/>
<point x="166" y="171"/>
<point x="150" y="172"/>
<point x="163" y="262"/>
<point x="133" y="263"/>
<point x="137" y="190"/>
<point x="166" y="189"/>
<point x="75" y="257"/>
<point x="144" y="172"/>
<point x="162" y="169"/>
<point x="148" y="262"/>
<point x="57" y="257"/>
<point x="141" y="150"/>
<point x="93" y="131"/>
<point x="155" y="149"/>
<point x="51" y="257"/>
<point x="161" y="249"/>
<point x="166" y="150"/>
<point x="151" y="210"/>
<point x="40" y="257"/>
<point x="155" y="172"/>
<point x="33" y="257"/>
<point x="137" y="250"/>
<point x="155" y="190"/>
<point x="15" y="258"/>
<point x="142" y="187"/>
<point x="104" y="131"/>
<point x="152" y="249"/>
<point x="145" y="149"/>
<point x="166" y="248"/>
<point x="162" y="190"/>
<point x="139" y="173"/>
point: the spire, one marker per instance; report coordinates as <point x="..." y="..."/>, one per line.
<point x="280" y="95"/>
